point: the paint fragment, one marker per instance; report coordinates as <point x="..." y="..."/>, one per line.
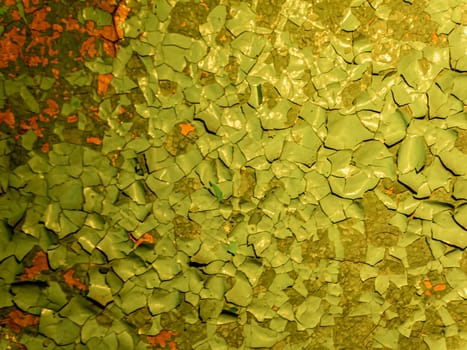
<point x="103" y="82"/>
<point x="94" y="140"/>
<point x="186" y="128"/>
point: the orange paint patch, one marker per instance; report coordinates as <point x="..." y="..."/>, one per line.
<point x="73" y="281"/>
<point x="36" y="42"/>
<point x="95" y="111"/>
<point x="28" y="8"/>
<point x="15" y="15"/>
<point x="110" y="48"/>
<point x="32" y="125"/>
<point x="52" y="108"/>
<point x="163" y="339"/>
<point x="103" y="81"/>
<point x="72" y="24"/>
<point x="57" y="27"/>
<point x="186" y="128"/>
<point x="109" y="33"/>
<point x="146" y="238"/>
<point x="43" y="118"/>
<point x="91" y="28"/>
<point x="45" y="147"/>
<point x="39" y="263"/>
<point x="55" y="72"/>
<point x="72" y="119"/>
<point x="35" y="61"/>
<point x="7" y="118"/>
<point x="89" y="48"/>
<point x="39" y="22"/>
<point x="107" y="5"/>
<point x="427" y="284"/>
<point x="439" y="287"/>
<point x="17" y="320"/>
<point x="119" y="17"/>
<point x="11" y="46"/>
<point x="430" y="288"/>
<point x="434" y="38"/>
<point x="94" y="140"/>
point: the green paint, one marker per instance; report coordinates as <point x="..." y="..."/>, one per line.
<point x="20" y="7"/>
<point x="217" y="191"/>
<point x="232" y="247"/>
<point x="259" y="91"/>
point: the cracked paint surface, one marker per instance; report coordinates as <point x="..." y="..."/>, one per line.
<point x="233" y="175"/>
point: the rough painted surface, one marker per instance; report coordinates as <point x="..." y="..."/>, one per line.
<point x="233" y="175"/>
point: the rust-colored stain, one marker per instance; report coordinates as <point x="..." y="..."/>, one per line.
<point x="34" y="42"/>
